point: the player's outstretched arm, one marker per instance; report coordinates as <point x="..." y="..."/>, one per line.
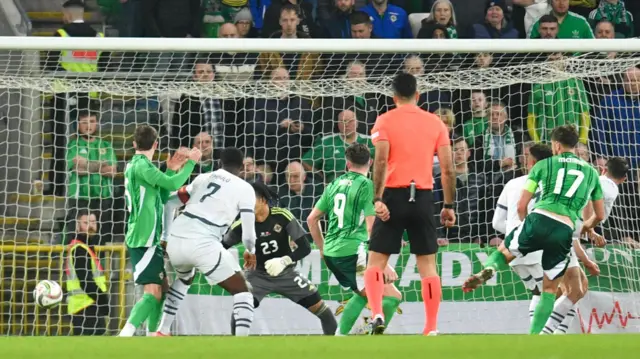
<point x="591" y="266"/>
<point x="301" y="238"/>
<point x="499" y="221"/>
<point x="598" y="215"/>
<point x="155" y="177"/>
<point x="174" y="202"/>
<point x="234" y="236"/>
<point x="248" y="219"/>
<point x="313" y="221"/>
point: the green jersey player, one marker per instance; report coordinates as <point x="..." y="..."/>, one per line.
<point x="568" y="184"/>
<point x="348" y="201"/>
<point x="146" y="190"/>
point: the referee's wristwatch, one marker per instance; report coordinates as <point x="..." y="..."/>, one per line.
<point x="448" y="206"/>
<point x="377" y="199"/>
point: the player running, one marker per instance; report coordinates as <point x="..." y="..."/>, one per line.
<point x="348" y="200"/>
<point x="575" y="284"/>
<point x="274" y="270"/>
<point x="146" y="190"/>
<point x="212" y="202"/>
<point x="568" y="184"/>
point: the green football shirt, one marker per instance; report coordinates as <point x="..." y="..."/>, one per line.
<point x="146" y="191"/>
<point x="567" y="183"/>
<point x="347" y="201"/>
<point x="92" y="185"/>
<point x="328" y="154"/>
<point x="573" y="26"/>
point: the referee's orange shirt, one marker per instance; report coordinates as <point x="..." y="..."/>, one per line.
<point x="414" y="136"/>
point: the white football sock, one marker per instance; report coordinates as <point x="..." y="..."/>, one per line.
<point x="174" y="297"/>
<point x="243" y="313"/>
<point x="128" y="331"/>
<point x="566" y="322"/>
<point x="532" y="306"/>
<point x="560" y="310"/>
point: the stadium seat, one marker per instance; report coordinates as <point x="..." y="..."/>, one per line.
<point x="415" y="20"/>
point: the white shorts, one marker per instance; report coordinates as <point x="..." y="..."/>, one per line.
<point x="531" y="275"/>
<point x="208" y="256"/>
<point x="573" y="259"/>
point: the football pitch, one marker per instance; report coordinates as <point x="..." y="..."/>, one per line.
<point x="302" y="347"/>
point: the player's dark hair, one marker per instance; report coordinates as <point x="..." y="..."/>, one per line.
<point x="358" y="154"/>
<point x="540" y="151"/>
<point x="288" y="7"/>
<point x="359" y="17"/>
<point x="547" y="19"/>
<point x="405" y="85"/>
<point x="82" y="212"/>
<point x="85" y="114"/>
<point x="262" y="191"/>
<point x="567" y="135"/>
<point x="617" y="167"/>
<point x="231" y="159"/>
<point x="145" y="137"/>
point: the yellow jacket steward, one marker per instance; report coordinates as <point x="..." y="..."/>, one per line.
<point x="77" y="299"/>
<point x="79" y="60"/>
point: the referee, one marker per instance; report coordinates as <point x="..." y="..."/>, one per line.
<point x="406" y="139"/>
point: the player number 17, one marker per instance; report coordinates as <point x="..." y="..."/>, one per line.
<point x="574" y="186"/>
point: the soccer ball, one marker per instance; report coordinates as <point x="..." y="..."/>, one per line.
<point x="47" y="294"/>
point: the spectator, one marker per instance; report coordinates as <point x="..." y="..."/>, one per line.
<point x="548" y="27"/>
<point x="277" y="18"/>
<point x="258" y="9"/>
<point x="433" y="31"/>
<point x="496" y="25"/>
<point x="534" y="9"/>
<point x="337" y="25"/>
<point x="430" y="100"/>
<point x="582" y="151"/>
<point x="572" y="26"/>
<point x="470" y="201"/>
<point x="467" y="13"/>
<point x="616" y="13"/>
<point x="447" y="116"/>
<point x="230" y="8"/>
<point x="253" y="172"/>
<point x="327" y="157"/>
<point x="495" y="149"/>
<point x="605" y="30"/>
<point x="244" y="24"/>
<point x="281" y="127"/>
<point x="86" y="282"/>
<point x="479" y="120"/>
<point x="442" y="13"/>
<point x="172" y="18"/>
<point x="302" y="66"/>
<point x="299" y="194"/>
<point x="582" y="7"/>
<point x="91" y="163"/>
<point x="208" y="162"/>
<point x="389" y="21"/>
<point x="361" y="25"/>
<point x="556" y="104"/>
<point x="325" y="7"/>
<point x="617" y="120"/>
<point x="194" y="115"/>
<point x="234" y="66"/>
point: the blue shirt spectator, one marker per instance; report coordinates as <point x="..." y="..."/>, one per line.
<point x="389" y="21"/>
<point x="258" y="9"/>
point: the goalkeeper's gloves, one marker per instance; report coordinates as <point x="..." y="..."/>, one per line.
<point x="275" y="266"/>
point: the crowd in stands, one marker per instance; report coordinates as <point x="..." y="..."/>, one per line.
<point x="296" y="144"/>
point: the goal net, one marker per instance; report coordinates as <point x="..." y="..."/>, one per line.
<point x="292" y="106"/>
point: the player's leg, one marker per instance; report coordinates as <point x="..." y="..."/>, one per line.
<point x="148" y="271"/>
<point x="574" y="290"/>
<point x="386" y="239"/>
<point x="259" y="288"/>
<point x="154" y="317"/>
<point x="174" y="297"/>
<point x="345" y="271"/>
<point x="566" y="322"/>
<point x="225" y="272"/>
<point x="532" y="277"/>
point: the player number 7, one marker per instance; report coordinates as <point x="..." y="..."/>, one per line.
<point x="215" y="187"/>
<point x="574" y="186"/>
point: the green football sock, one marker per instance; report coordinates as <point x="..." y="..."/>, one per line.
<point x="542" y="312"/>
<point x="389" y="307"/>
<point x="351" y="312"/>
<point x="142" y="309"/>
<point x="154" y="317"/>
<point x="497" y="261"/>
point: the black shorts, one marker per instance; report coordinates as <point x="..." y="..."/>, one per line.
<point x="416" y="218"/>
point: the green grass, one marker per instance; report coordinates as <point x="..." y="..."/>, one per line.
<point x="301" y="347"/>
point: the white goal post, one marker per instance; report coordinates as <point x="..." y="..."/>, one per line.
<point x="522" y="86"/>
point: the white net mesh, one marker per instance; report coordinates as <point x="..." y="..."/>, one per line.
<point x="241" y="99"/>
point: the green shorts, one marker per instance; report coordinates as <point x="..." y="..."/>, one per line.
<point x="541" y="232"/>
<point x="347" y="269"/>
<point x="148" y="265"/>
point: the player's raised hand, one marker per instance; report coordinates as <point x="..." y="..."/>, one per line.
<point x="249" y="260"/>
<point x="195" y="154"/>
<point x="593" y="268"/>
<point x="448" y="217"/>
<point x="178" y="159"/>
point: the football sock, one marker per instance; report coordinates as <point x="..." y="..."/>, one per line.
<point x="561" y="308"/>
<point x="497" y="261"/>
<point x="242" y="313"/>
<point x="139" y="314"/>
<point x="154" y="318"/>
<point x="327" y="319"/>
<point x="351" y="312"/>
<point x="374" y="284"/>
<point x="532" y="306"/>
<point x="175" y="295"/>
<point x="542" y="312"/>
<point x="431" y="296"/>
<point x="566" y="322"/>
<point x="389" y="307"/>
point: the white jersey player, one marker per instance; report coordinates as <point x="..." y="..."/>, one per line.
<point x="212" y="202"/>
<point x="574" y="284"/>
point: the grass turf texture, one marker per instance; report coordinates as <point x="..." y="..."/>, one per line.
<point x="307" y="347"/>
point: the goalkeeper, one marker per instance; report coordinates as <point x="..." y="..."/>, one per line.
<point x="146" y="190"/>
<point x="348" y="200"/>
